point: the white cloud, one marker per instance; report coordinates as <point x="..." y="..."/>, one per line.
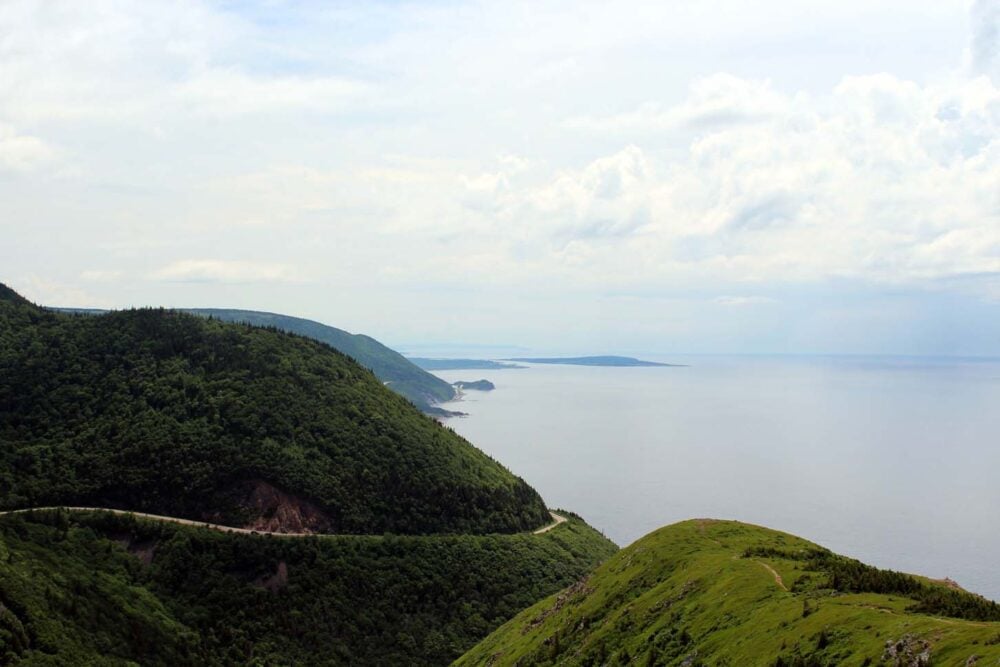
<point x="566" y="149"/>
<point x="884" y="180"/>
<point x="229" y="92"/>
<point x="20" y="152"/>
<point x="147" y="63"/>
<point x="743" y="300"/>
<point x="100" y="276"/>
<point x="226" y="271"/>
<point x="718" y="100"/>
<point x="56" y="293"/>
<point x="985" y="47"/>
<point x="880" y="180"/>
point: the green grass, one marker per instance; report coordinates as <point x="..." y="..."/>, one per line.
<point x="694" y="593"/>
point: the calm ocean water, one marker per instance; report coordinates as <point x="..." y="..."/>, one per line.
<point x="894" y="461"/>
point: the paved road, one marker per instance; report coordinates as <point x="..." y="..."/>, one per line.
<point x="556" y="520"/>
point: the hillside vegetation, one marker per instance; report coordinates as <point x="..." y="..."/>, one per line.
<point x="168" y="413"/>
<point x="723" y="593"/>
<point x="102" y="589"/>
<point x="398" y="372"/>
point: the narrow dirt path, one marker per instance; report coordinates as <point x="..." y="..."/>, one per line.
<point x="557" y="519"/>
<point x="774" y="573"/>
<point x="701" y="527"/>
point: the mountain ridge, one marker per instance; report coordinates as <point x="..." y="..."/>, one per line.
<point x="423" y="389"/>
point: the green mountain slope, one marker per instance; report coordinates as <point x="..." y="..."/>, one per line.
<point x="423" y="389"/>
<point x="168" y="413"/>
<point x="725" y="593"/>
<point x="101" y="589"/>
<point x="399" y="373"/>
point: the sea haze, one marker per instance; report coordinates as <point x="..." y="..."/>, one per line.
<point x="894" y="461"/>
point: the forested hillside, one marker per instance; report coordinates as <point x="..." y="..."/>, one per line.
<point x="399" y="373"/>
<point x="101" y="589"/>
<point x="168" y="413"/>
<point x="720" y="593"/>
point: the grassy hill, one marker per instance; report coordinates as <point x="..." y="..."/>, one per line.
<point x="169" y="413"/>
<point x="724" y="593"/>
<point x="102" y="589"/>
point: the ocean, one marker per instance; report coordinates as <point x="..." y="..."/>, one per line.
<point x="894" y="461"/>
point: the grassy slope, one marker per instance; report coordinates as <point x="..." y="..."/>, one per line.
<point x="71" y="594"/>
<point x="402" y="375"/>
<point x="174" y="414"/>
<point x="690" y="594"/>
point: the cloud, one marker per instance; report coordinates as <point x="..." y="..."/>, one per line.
<point x="101" y="276"/>
<point x="23" y="153"/>
<point x="714" y="101"/>
<point x="223" y="271"/>
<point x="985" y="47"/>
<point x="743" y="300"/>
<point x="608" y="198"/>
<point x="56" y="293"/>
<point x="150" y="63"/>
<point x="230" y="92"/>
<point x="879" y="180"/>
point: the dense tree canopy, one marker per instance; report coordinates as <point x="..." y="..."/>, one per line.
<point x="396" y="371"/>
<point x="102" y="589"/>
<point x="165" y="412"/>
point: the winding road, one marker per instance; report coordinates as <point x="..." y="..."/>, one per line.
<point x="556" y="520"/>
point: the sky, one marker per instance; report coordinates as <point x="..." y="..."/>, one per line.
<point x="565" y="177"/>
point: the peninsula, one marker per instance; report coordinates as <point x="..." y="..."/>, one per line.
<point x="590" y="361"/>
<point x="461" y="364"/>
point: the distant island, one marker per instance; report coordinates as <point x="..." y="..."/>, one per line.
<point x="461" y="364"/>
<point x="478" y="385"/>
<point x="589" y="361"/>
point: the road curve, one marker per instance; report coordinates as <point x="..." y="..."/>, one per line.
<point x="556" y="520"/>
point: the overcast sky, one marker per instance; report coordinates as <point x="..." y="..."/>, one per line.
<point x="713" y="176"/>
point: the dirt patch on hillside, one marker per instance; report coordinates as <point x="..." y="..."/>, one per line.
<point x="275" y="511"/>
<point x="144" y="550"/>
<point x="572" y="594"/>
<point x="276" y="581"/>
